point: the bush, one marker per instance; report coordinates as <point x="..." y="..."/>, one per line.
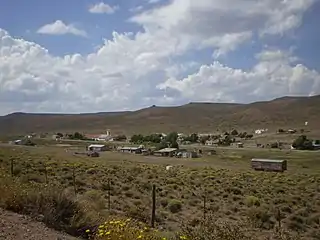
<point x="55" y="208"/>
<point x="252" y="201"/>
<point x="175" y="206"/>
<point x="211" y="229"/>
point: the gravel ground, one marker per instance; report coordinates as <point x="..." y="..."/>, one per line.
<point x="18" y="227"/>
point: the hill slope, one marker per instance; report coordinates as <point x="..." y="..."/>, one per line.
<point x="193" y="117"/>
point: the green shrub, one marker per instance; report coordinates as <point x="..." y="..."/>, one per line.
<point x="174" y="206"/>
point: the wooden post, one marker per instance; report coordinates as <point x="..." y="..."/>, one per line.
<point x="153" y="212"/>
<point x="74" y="180"/>
<point x="109" y="195"/>
<point x="11" y="167"/>
<point x="46" y="173"/>
<point x="204" y="205"/>
<point x="278" y="217"/>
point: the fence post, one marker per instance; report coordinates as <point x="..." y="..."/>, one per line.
<point x="74" y="180"/>
<point x="278" y="217"/>
<point x="11" y="167"/>
<point x="204" y="205"/>
<point x="46" y="173"/>
<point x="109" y="195"/>
<point x="153" y="212"/>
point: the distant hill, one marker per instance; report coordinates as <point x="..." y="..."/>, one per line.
<point x="286" y="112"/>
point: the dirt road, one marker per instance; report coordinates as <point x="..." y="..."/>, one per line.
<point x="18" y="227"/>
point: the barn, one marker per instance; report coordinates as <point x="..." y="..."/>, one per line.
<point x="269" y="165"/>
<point x="97" y="147"/>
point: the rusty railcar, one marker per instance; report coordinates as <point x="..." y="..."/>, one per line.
<point x="269" y="165"/>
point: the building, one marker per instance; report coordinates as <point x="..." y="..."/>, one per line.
<point x="136" y="150"/>
<point x="240" y="145"/>
<point x="269" y="165"/>
<point x="97" y="147"/>
<point x="166" y="152"/>
<point x="189" y="154"/>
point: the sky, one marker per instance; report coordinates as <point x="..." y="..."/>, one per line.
<point x="90" y="56"/>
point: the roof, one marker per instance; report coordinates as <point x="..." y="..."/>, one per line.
<point x="130" y="148"/>
<point x="167" y="150"/>
<point x="267" y="160"/>
<point x="96" y="146"/>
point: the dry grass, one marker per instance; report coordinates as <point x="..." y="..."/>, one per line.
<point x="233" y="192"/>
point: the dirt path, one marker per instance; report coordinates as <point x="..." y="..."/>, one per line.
<point x="18" y="227"/>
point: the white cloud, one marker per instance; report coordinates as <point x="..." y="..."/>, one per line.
<point x="133" y="70"/>
<point x="103" y="8"/>
<point x="223" y="24"/>
<point x="136" y="9"/>
<point x="273" y="76"/>
<point x="153" y="1"/>
<point x="60" y="28"/>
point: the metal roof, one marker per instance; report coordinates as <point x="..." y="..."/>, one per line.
<point x="96" y="146"/>
<point x="167" y="150"/>
<point x="130" y="148"/>
<point x="267" y="160"/>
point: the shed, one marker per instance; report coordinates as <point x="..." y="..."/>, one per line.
<point x="269" y="165"/>
<point x="166" y="152"/>
<point x="189" y="154"/>
<point x="97" y="148"/>
<point x="136" y="150"/>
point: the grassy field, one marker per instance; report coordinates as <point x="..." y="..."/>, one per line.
<point x="233" y="192"/>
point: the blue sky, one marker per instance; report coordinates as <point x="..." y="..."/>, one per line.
<point x="176" y="48"/>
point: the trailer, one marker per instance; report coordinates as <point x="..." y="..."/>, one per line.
<point x="269" y="165"/>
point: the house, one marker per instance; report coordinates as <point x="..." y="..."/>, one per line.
<point x="136" y="150"/>
<point x="260" y="131"/>
<point x="240" y="145"/>
<point x="269" y="165"/>
<point x="97" y="147"/>
<point x="212" y="142"/>
<point x="292" y="131"/>
<point x="166" y="152"/>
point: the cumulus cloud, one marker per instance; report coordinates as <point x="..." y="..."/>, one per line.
<point x="133" y="70"/>
<point x="102" y="7"/>
<point x="223" y="24"/>
<point x="273" y="76"/>
<point x="60" y="28"/>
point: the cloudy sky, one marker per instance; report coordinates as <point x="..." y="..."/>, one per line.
<point x="87" y="56"/>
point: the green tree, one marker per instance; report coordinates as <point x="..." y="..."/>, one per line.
<point x="137" y="138"/>
<point x="203" y="139"/>
<point x="234" y="132"/>
<point x="302" y="143"/>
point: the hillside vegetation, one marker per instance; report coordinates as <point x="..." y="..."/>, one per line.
<point x="193" y="117"/>
<point x="71" y="193"/>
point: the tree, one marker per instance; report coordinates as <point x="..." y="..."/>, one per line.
<point x="170" y="140"/>
<point x="203" y="139"/>
<point x="137" y="138"/>
<point x="120" y="138"/>
<point x="302" y="143"/>
<point x="154" y="138"/>
<point x="192" y="138"/>
<point x="249" y="136"/>
<point x="234" y="132"/>
<point x="60" y="135"/>
<point x="76" y="136"/>
<point x="243" y="135"/>
<point x="280" y="130"/>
